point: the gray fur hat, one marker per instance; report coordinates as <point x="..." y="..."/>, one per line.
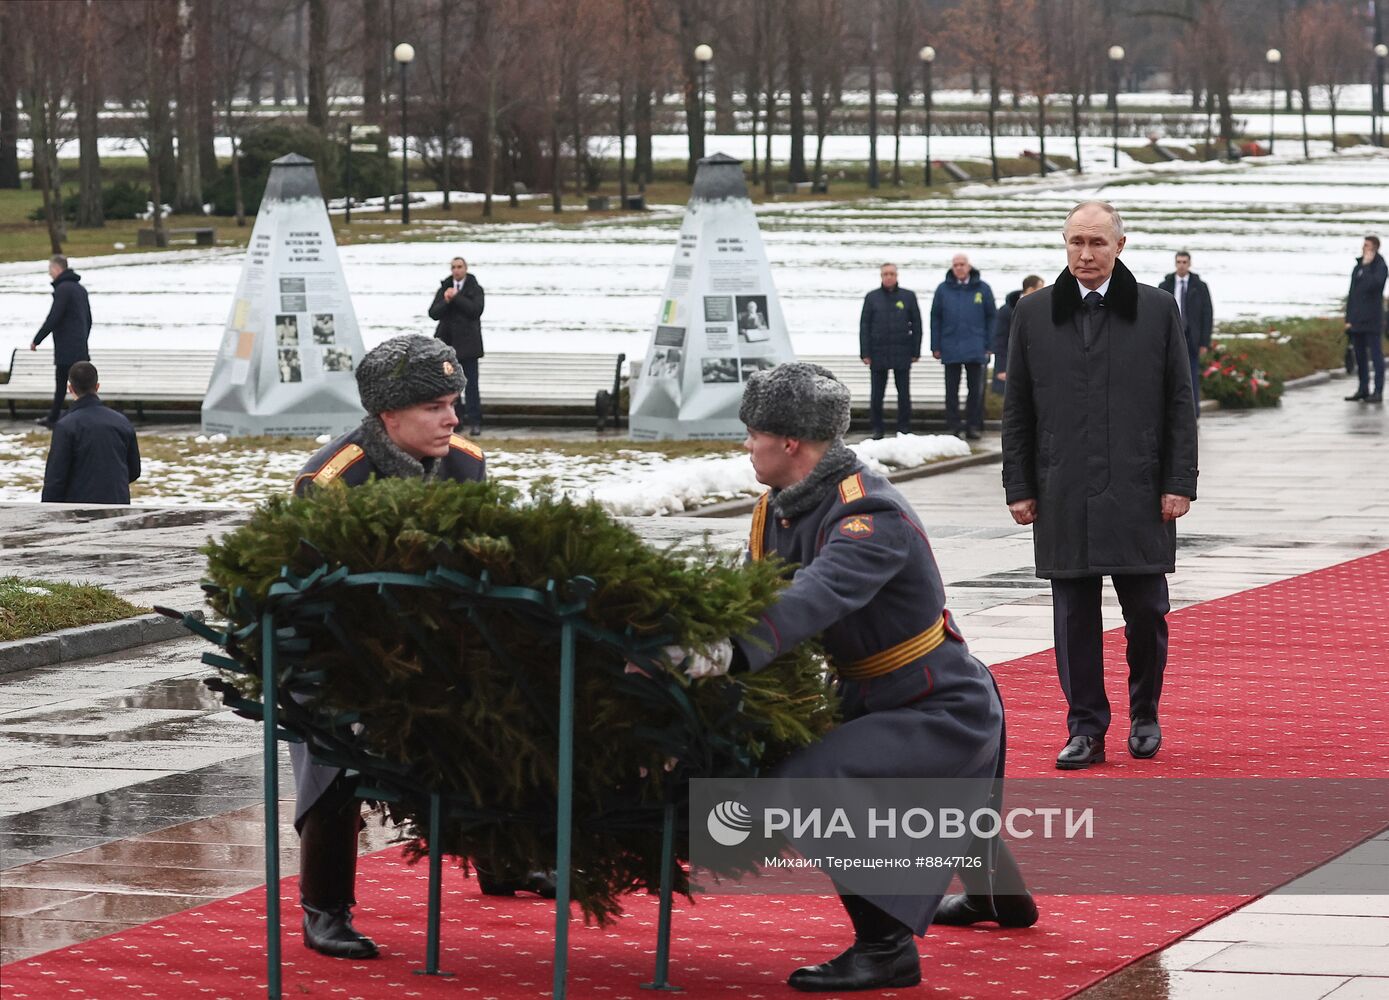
<point x="798" y="400"/>
<point x="407" y="370"/>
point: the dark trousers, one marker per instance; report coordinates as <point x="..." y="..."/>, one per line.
<point x="469" y="408"/>
<point x="60" y="392"/>
<point x="1079" y="634"/>
<point x="903" y="378"/>
<point x="1194" y="355"/>
<point x="328" y="847"/>
<point x="1369" y="351"/>
<point x="974" y="402"/>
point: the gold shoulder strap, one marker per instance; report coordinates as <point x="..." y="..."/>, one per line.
<point x="757" y="539"/>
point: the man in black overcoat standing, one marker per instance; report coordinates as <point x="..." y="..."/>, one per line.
<point x="889" y="340"/>
<point x="458" y="306"/>
<point x="70" y="321"/>
<point x="1099" y="455"/>
<point x="1198" y="315"/>
<point x="95" y="455"/>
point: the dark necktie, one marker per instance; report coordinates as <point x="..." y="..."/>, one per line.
<point x="1093" y="302"/>
<point x="1181" y="300"/>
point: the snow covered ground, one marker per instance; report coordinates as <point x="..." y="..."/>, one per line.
<point x="1271" y="236"/>
<point x="627" y="481"/>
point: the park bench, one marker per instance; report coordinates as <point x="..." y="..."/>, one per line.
<point x="203" y="236"/>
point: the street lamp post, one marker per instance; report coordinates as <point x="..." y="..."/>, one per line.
<point x="1274" y="57"/>
<point x="1116" y="56"/>
<point x="404" y="53"/>
<point x="928" y="56"/>
<point x="703" y="53"/>
<point x="1381" y="50"/>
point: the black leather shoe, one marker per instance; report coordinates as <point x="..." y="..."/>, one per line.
<point x="962" y="910"/>
<point x="44" y="422"/>
<point x="540" y="883"/>
<point x="330" y="932"/>
<point x="868" y="965"/>
<point x="475" y="430"/>
<point x="974" y="435"/>
<point x="1359" y="397"/>
<point x="1145" y="736"/>
<point x="1081" y="752"/>
<point x="1375" y="397"/>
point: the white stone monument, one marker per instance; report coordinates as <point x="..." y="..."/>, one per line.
<point x="291" y="344"/>
<point x="720" y="318"/>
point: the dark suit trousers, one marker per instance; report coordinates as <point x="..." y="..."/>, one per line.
<point x="1079" y="633"/>
<point x="974" y="401"/>
<point x="1369" y="354"/>
<point x="903" y="378"/>
<point x="60" y="392"/>
<point x="469" y="408"/>
<point x="1193" y="352"/>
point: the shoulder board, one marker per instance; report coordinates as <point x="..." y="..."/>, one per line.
<point x="337" y="465"/>
<point x="851" y="489"/>
<point x="460" y="443"/>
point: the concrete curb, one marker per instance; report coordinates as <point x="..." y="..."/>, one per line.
<point x="734" y="508"/>
<point x="70" y="644"/>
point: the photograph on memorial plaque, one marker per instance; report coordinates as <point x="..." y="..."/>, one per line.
<point x="290" y="368"/>
<point x="287" y="332"/>
<point x="337" y="359"/>
<point x="750" y="365"/>
<point x="718" y="309"/>
<point x="288" y="285"/>
<point x="719" y="370"/>
<point x="665" y="363"/>
<point x="670" y="336"/>
<point x="323" y="328"/>
<point x="752" y="318"/>
<point x="294" y="303"/>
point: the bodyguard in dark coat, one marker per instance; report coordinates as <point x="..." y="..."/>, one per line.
<point x="1198" y="316"/>
<point x="889" y="340"/>
<point x="70" y="322"/>
<point x="962" y="326"/>
<point x="458" y="306"/>
<point x="1099" y="455"/>
<point x="408" y="386"/>
<point x="1365" y="320"/>
<point x="94" y="456"/>
<point x="1002" y="323"/>
<point x="915" y="703"/>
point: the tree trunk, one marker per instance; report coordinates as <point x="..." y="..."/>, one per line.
<point x="240" y="201"/>
<point x="795" y="85"/>
<point x="1227" y="115"/>
<point x="579" y="149"/>
<point x="1042" y="134"/>
<point x="489" y="152"/>
<point x="318" y="63"/>
<point x="897" y="141"/>
<point x="1306" y="146"/>
<point x="641" y="130"/>
<point x="371" y="61"/>
<point x="1331" y="107"/>
<point x="556" y="195"/>
<point x="622" y="108"/>
<point x="873" y="98"/>
<point x="188" y="189"/>
<point x="1075" y="127"/>
<point x="993" y="124"/>
<point x="299" y="53"/>
<point x="90" y="214"/>
<point x="9" y="95"/>
<point x="725" y="118"/>
<point x="203" y="45"/>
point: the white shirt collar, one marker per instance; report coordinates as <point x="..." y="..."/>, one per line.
<point x="1103" y="289"/>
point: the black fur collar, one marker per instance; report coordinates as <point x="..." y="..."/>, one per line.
<point x="1122" y="296"/>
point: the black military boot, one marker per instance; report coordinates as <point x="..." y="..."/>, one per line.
<point x="883" y="955"/>
<point x="327" y="878"/>
<point x="1003" y="899"/>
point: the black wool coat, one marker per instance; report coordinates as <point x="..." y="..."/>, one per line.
<point x="1097" y="434"/>
<point x="460" y="321"/>
<point x="889" y="328"/>
<point x="1200" y="313"/>
<point x="1365" y="301"/>
<point x="69" y="320"/>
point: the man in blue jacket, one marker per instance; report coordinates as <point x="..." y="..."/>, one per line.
<point x="1365" y="320"/>
<point x="962" y="320"/>
<point x="889" y="340"/>
<point x="70" y="322"/>
<point x="94" y="456"/>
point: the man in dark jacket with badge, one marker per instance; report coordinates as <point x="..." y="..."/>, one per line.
<point x="1365" y="321"/>
<point x="69" y="320"/>
<point x="1197" y="314"/>
<point x="962" y="326"/>
<point x="1099" y="455"/>
<point x="408" y="386"/>
<point x="458" y="306"/>
<point x="889" y="340"/>
<point x="915" y="703"/>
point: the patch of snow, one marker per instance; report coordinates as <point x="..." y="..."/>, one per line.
<point x="322" y="439"/>
<point x="907" y="450"/>
<point x="41" y="591"/>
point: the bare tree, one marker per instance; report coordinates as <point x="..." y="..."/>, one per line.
<point x="188" y="191"/>
<point x="372" y="61"/>
<point x="45" y="92"/>
<point x="825" y="33"/>
<point x="9" y="97"/>
<point x="318" y="64"/>
<point x="90" y="213"/>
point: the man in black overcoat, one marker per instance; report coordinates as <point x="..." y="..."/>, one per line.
<point x="69" y="320"/>
<point x="458" y="305"/>
<point x="1099" y="455"/>
<point x="1198" y="315"/>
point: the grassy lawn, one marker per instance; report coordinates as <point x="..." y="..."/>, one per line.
<point x="1313" y="345"/>
<point x="33" y="607"/>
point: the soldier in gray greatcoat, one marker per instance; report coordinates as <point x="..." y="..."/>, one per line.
<point x="915" y="703"/>
<point x="408" y="386"/>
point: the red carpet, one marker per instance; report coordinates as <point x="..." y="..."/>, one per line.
<point x="1289" y="680"/>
